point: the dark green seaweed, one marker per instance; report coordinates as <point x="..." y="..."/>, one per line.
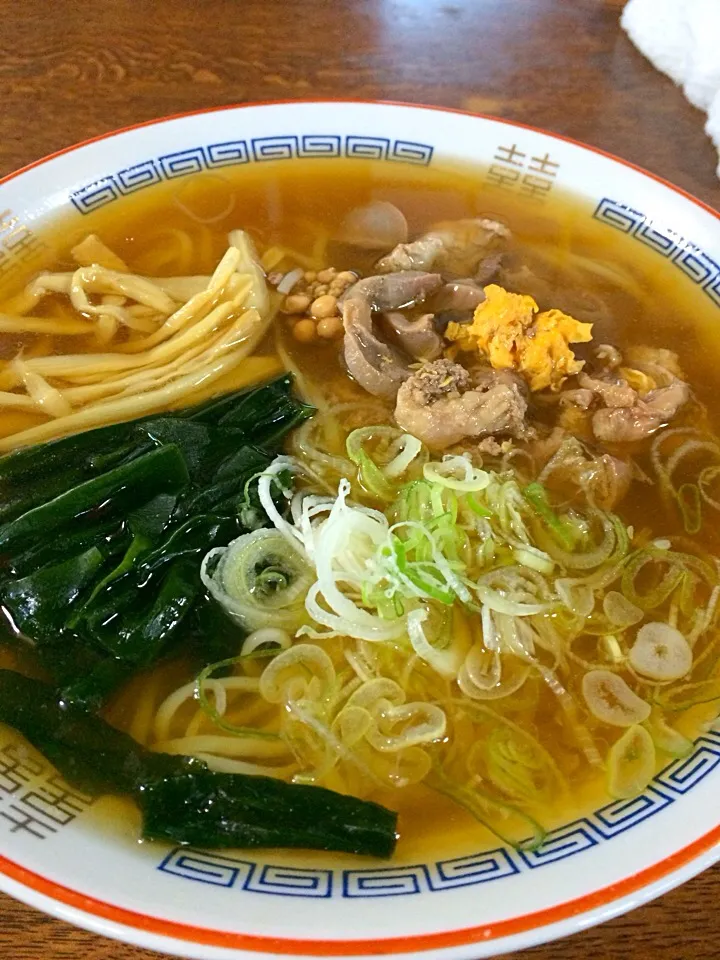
<point x="101" y="539"/>
<point x="39" y="602"/>
<point x="218" y="810"/>
<point x="102" y="533"/>
<point x="88" y="752"/>
<point x="181" y="799"/>
<point x="111" y="494"/>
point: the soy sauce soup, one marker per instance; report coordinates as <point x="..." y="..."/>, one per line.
<point x="543" y="733"/>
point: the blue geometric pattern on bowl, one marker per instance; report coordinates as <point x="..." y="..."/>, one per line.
<point x="215" y="156"/>
<point x="569" y="840"/>
<point x="689" y="258"/>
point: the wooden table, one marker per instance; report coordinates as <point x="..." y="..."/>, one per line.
<point x="71" y="69"/>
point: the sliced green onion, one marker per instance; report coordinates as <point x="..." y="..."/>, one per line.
<point x="707" y="477"/>
<point x="610" y="647"/>
<point x="536" y="495"/>
<point x="631" y="763"/>
<point x="209" y="708"/>
<point x="476" y="507"/>
<point x="408" y="448"/>
<point x="661" y="653"/>
<point x="272" y="637"/>
<point x="619" y="611"/>
<point x="534" y="559"/>
<point x="518" y="764"/>
<point x="260" y="580"/>
<point x="658" y="595"/>
<point x="502" y="604"/>
<point x="613" y="546"/>
<point x="414" y="573"/>
<point x="688" y="695"/>
<point x="612" y="701"/>
<point x="689" y="501"/>
<point x="414" y="502"/>
<point x="382" y="455"/>
<point x="667" y="738"/>
<point x="447" y="653"/>
<point x="457" y="473"/>
<point x="481" y="803"/>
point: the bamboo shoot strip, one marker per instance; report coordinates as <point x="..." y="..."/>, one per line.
<point x="188" y="343"/>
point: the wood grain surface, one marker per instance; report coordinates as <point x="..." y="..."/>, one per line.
<point x="72" y="69"/>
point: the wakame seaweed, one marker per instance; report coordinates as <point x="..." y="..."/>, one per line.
<point x="101" y="539"/>
<point x="102" y="534"/>
<point x="181" y="799"/>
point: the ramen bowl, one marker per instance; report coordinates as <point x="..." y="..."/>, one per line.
<point x="70" y="856"/>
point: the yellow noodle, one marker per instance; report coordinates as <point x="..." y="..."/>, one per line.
<point x="610" y="272"/>
<point x="120" y="384"/>
<point x="227" y="745"/>
<point x="135" y="317"/>
<point x="105" y="329"/>
<point x="227" y="765"/>
<point x="168" y="709"/>
<point x="178" y="288"/>
<point x="199" y="720"/>
<point x="139" y="323"/>
<point x="42" y="325"/>
<point x="50" y="283"/>
<point x="101" y="386"/>
<point x="140" y="312"/>
<point x="253" y="713"/>
<point x="203" y="341"/>
<point x="258" y="296"/>
<point x="182" y="288"/>
<point x="119" y="312"/>
<point x="142" y="722"/>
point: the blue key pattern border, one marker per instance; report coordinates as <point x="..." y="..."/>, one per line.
<point x="686" y="256"/>
<point x="485" y="866"/>
<point x="230" y="153"/>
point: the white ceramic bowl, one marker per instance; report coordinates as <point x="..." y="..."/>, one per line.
<point x="53" y="852"/>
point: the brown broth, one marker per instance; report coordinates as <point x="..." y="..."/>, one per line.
<point x="298" y="206"/>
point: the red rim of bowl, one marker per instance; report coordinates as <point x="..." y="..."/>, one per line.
<point x="447" y="939"/>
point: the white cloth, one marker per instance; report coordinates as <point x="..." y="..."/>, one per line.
<point x="682" y="38"/>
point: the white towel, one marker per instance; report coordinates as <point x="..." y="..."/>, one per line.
<point x="682" y="38"/>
